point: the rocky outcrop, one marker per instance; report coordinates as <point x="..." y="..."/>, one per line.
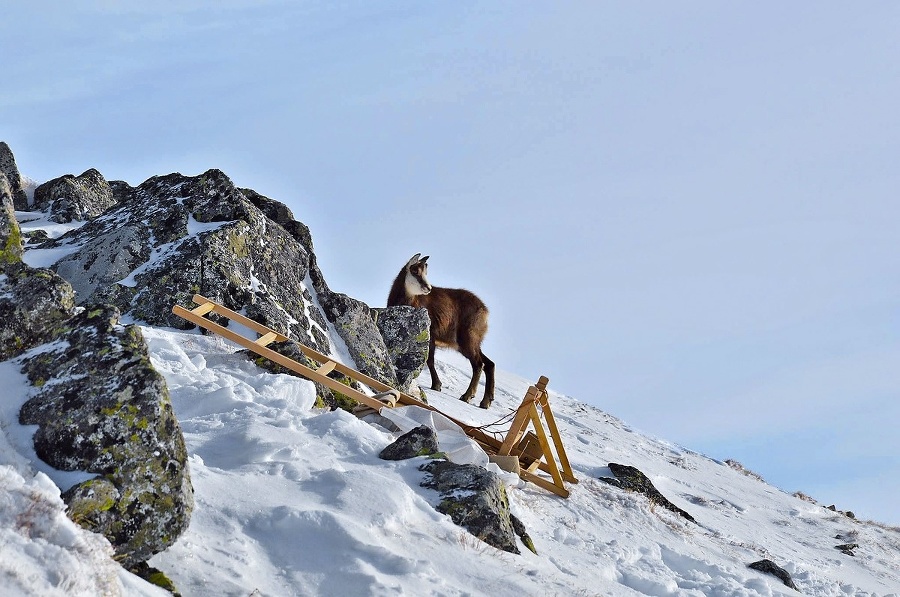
<point x="10" y="234"/>
<point x="405" y="331"/>
<point x="475" y="499"/>
<point x="631" y="479"/>
<point x="9" y="169"/>
<point x="74" y="198"/>
<point x="174" y="236"/>
<point x="34" y="304"/>
<point x="100" y="407"/>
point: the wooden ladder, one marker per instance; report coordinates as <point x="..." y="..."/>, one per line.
<point x="388" y="397"/>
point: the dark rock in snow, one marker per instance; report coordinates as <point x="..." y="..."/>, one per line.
<point x="34" y="303"/>
<point x="421" y="441"/>
<point x="770" y="567"/>
<point x="10" y="234"/>
<point x="475" y="499"/>
<point x="847" y="548"/>
<point x="630" y="478"/>
<point x="405" y="331"/>
<point x="101" y="407"/>
<point x="74" y="198"/>
<point x="9" y="169"/>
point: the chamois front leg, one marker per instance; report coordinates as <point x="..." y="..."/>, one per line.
<point x="435" y="381"/>
<point x="488" y="382"/>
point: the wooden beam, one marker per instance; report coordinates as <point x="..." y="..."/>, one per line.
<point x="567" y="473"/>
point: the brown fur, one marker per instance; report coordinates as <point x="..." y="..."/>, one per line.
<point x="459" y="320"/>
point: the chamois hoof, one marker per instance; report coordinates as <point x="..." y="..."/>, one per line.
<point x="485" y="404"/>
<point x="436" y="387"/>
<point x="466" y="399"/>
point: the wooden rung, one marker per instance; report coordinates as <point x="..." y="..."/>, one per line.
<point x="266" y="339"/>
<point x="326" y="368"/>
<point x="204" y="309"/>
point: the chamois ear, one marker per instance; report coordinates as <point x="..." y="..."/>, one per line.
<point x="414" y="260"/>
<point x="423" y="259"/>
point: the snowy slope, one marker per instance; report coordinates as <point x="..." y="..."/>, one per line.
<point x="295" y="501"/>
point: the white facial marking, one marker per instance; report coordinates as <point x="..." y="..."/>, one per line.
<point x="414" y="287"/>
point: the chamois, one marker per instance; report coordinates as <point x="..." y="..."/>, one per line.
<point x="459" y="320"/>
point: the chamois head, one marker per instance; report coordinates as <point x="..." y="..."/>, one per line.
<point x="416" y="282"/>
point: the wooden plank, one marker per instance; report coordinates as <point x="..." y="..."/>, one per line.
<point x="567" y="473"/>
<point x="241" y="319"/>
<point x="267" y="339"/>
<point x="550" y="461"/>
<point x="542" y="482"/>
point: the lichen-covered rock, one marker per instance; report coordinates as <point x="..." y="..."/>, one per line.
<point x="10" y="234"/>
<point x="175" y="236"/>
<point x="420" y="441"/>
<point x="74" y="198"/>
<point x="34" y="303"/>
<point x="770" y="567"/>
<point x="9" y="169"/>
<point x="631" y="479"/>
<point x="405" y="331"/>
<point x="475" y="499"/>
<point x="101" y="407"/>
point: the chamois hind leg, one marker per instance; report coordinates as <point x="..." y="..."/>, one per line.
<point x="488" y="382"/>
<point x="435" y="381"/>
<point x="477" y="366"/>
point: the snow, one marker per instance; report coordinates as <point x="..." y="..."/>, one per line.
<point x="291" y="500"/>
<point x="30" y="221"/>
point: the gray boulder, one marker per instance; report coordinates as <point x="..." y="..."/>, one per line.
<point x="34" y="304"/>
<point x="100" y="407"/>
<point x="74" y="198"/>
<point x="421" y="441"/>
<point x="405" y="331"/>
<point x="770" y="567"/>
<point x="475" y="499"/>
<point x="10" y="234"/>
<point x="11" y="171"/>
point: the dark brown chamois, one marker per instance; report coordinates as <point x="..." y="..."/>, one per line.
<point x="459" y="320"/>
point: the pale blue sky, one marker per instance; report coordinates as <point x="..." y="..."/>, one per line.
<point x="683" y="213"/>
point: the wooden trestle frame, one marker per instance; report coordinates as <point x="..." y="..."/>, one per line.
<point x="532" y="448"/>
